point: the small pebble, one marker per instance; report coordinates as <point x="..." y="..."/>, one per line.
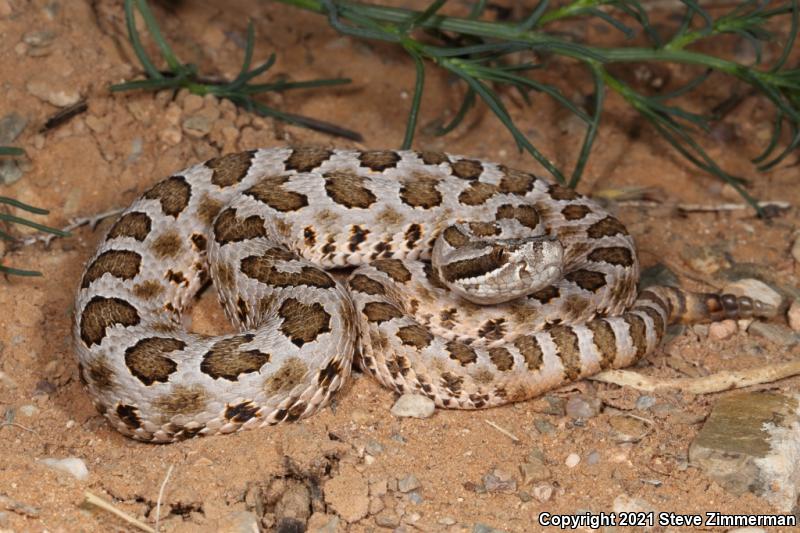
<point x="722" y="330"/>
<point x="796" y="248"/>
<point x="374" y="447"/>
<point x="572" y="460"/>
<point x="408" y="483"/>
<point x="777" y="333"/>
<point x="543" y="492"/>
<point x="239" y="522"/>
<point x="793" y="315"/>
<point x="53" y="91"/>
<point x="415" y="497"/>
<point x="534" y="470"/>
<point x="645" y="402"/>
<point x="593" y="458"/>
<point x="627" y="429"/>
<point x="446" y="521"/>
<point x="413" y="405"/>
<point x="71" y="465"/>
<point x="543" y="426"/>
<point x="499" y="480"/>
<point x="555" y="406"/>
<point x="11" y="125"/>
<point x="29" y="410"/>
<point x="583" y="407"/>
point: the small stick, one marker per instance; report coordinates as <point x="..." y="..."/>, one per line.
<point x="92" y="499"/>
<point x="708" y="208"/>
<point x="92" y="221"/>
<point x="161" y="495"/>
<point x="505" y="432"/>
<point x="719" y="382"/>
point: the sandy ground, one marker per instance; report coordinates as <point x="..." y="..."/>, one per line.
<point x="344" y="463"/>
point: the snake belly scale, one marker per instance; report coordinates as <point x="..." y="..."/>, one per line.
<point x="442" y="245"/>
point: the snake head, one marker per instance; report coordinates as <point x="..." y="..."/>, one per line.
<point x="492" y="272"/>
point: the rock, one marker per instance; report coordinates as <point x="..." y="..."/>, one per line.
<point x="9" y="171"/>
<point x="645" y="402"/>
<point x="572" y="460"/>
<point x="777" y="333"/>
<point x="722" y="330"/>
<point x="387" y="519"/>
<point x="446" y="521"/>
<point x="751" y="442"/>
<point x="294" y="503"/>
<point x="413" y="405"/>
<point x="583" y="406"/>
<point x="322" y="523"/>
<point x="415" y="497"/>
<point x="534" y="470"/>
<point x="796" y="248"/>
<point x="290" y="525"/>
<point x="53" y="90"/>
<point x="555" y="406"/>
<point x="544" y="427"/>
<point x="755" y="289"/>
<point x="499" y="480"/>
<point x="793" y="316"/>
<point x="376" y="505"/>
<point x="347" y="494"/>
<point x="593" y="458"/>
<point x="239" y="522"/>
<point x="408" y="483"/>
<point x="626" y="504"/>
<point x="192" y="103"/>
<point x="483" y="528"/>
<point x="197" y="126"/>
<point x="374" y="448"/>
<point x="71" y="465"/>
<point x="543" y="492"/>
<point x="627" y="429"/>
<point x="29" y="410"/>
<point x="11" y="125"/>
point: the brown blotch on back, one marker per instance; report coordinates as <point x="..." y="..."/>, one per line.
<point x="365" y="284"/>
<point x="307" y="159"/>
<point x="99" y="373"/>
<point x="288" y="376"/>
<point x="606" y="227"/>
<point x="528" y="346"/>
<point x="566" y="341"/>
<point x="452" y="383"/>
<point x="263" y="269"/>
<point x="199" y="242"/>
<point x="546" y="294"/>
<point x="208" y="208"/>
<point x="328" y="374"/>
<point x="101" y="313"/>
<point x="613" y="255"/>
<point x="433" y="276"/>
<point x="303" y="323"/>
<point x="230" y="169"/>
<point x="346" y="188"/>
<point x="129" y="415"/>
<point x="358" y="235"/>
<point x="381" y="312"/>
<point x="501" y="358"/>
<point x="135" y="225"/>
<point x="575" y="211"/>
<point x="173" y="194"/>
<point x="559" y="192"/>
<point x="176" y="277"/>
<point x="588" y="280"/>
<point x="227" y="360"/>
<point x="485" y="229"/>
<point x="146" y="359"/>
<point x="516" y="181"/>
<point x="454" y="237"/>
<point x="394" y="268"/>
<point x="122" y="264"/>
<point x="433" y="158"/>
<point x="182" y="400"/>
<point x="379" y="160"/>
<point x="225" y="276"/>
<point x="477" y="193"/>
<point x="651" y="296"/>
<point x="421" y="191"/>
<point x="527" y="215"/>
<point x="493" y="329"/>
<point x="467" y="169"/>
<point x="167" y="245"/>
<point x="475" y="267"/>
<point x="241" y="412"/>
<point x="270" y="191"/>
<point x="461" y="352"/>
<point x="415" y="335"/>
<point x="637" y="331"/>
<point x="658" y="322"/>
<point x="412" y="234"/>
<point x="605" y="340"/>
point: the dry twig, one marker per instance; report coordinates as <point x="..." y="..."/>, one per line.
<point x="92" y="499"/>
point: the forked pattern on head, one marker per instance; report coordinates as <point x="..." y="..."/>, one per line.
<point x="477" y="285"/>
